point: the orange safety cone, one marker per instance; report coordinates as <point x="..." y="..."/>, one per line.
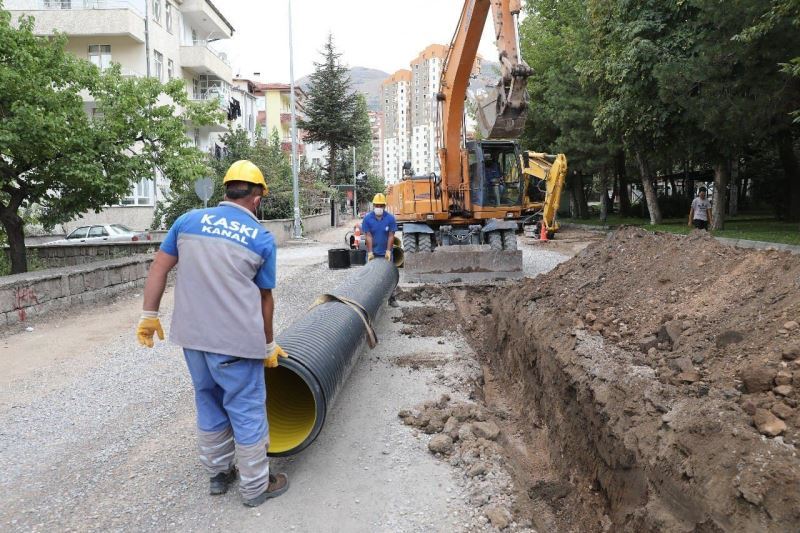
<point x="543" y="234"/>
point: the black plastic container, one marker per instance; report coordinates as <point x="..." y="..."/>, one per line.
<point x="358" y="257"/>
<point x="338" y="258"/>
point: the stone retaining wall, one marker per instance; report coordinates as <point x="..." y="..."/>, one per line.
<point x="23" y="296"/>
<point x="79" y="254"/>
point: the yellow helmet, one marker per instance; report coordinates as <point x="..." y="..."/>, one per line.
<point x="379" y="199"/>
<point x="244" y="170"/>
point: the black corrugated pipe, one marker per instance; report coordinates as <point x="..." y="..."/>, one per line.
<point x="323" y="346"/>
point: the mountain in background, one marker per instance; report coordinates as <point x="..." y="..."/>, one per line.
<point x="364" y="80"/>
<point x="368" y="81"/>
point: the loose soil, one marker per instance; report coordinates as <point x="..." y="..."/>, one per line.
<point x="651" y="383"/>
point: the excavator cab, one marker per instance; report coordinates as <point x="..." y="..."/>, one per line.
<point x="496" y="181"/>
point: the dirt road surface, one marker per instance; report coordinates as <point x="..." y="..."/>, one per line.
<point x="97" y="433"/>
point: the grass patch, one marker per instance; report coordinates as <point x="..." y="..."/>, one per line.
<point x="749" y="227"/>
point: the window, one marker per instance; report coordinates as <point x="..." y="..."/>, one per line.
<point x="168" y="16"/>
<point x="141" y="194"/>
<point x="79" y="233"/>
<point x="157" y="11"/>
<point x="194" y="36"/>
<point x="170" y="68"/>
<point x="195" y="89"/>
<point x="159" y="63"/>
<point x="98" y="231"/>
<point x="100" y="55"/>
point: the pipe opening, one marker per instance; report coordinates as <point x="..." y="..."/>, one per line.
<point x="292" y="410"/>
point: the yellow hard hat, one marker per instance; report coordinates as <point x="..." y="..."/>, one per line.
<point x="379" y="199"/>
<point x="244" y="170"/>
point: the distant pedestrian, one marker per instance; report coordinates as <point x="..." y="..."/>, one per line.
<point x="700" y="212"/>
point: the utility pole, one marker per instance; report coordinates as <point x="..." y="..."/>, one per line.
<point x="298" y="231"/>
<point x="355" y="186"/>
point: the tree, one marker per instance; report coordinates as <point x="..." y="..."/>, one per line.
<point x="331" y="108"/>
<point x="555" y="41"/>
<point x="54" y="155"/>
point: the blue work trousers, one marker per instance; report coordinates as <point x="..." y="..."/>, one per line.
<point x="229" y="392"/>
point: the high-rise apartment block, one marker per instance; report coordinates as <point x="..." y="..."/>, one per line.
<point x="411" y="109"/>
<point x="426" y="72"/>
<point x="376" y="125"/>
<point x="396" y="97"/>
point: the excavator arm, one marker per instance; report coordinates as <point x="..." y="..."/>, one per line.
<point x="502" y="112"/>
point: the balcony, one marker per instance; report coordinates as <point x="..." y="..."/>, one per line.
<point x="203" y="15"/>
<point x="84" y="18"/>
<point x="202" y="60"/>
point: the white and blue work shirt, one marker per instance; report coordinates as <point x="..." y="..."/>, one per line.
<point x="224" y="257"/>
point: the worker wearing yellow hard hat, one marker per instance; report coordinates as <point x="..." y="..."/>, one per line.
<point x="379" y="227"/>
<point x="222" y="318"/>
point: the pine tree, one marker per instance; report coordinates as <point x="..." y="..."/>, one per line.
<point x="331" y="108"/>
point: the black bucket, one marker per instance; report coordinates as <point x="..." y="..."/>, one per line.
<point x="339" y="258"/>
<point x="358" y="257"/>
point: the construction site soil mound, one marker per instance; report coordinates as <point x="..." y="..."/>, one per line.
<point x="666" y="371"/>
<point x="648" y="384"/>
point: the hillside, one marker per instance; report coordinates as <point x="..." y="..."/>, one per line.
<point x="364" y="80"/>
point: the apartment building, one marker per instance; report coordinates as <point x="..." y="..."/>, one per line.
<point x="166" y="39"/>
<point x="376" y="125"/>
<point x="275" y="114"/>
<point x="395" y="99"/>
<point x="426" y="70"/>
<point x="243" y="111"/>
<point x="411" y="110"/>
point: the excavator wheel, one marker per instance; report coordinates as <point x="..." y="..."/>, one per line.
<point x="424" y="243"/>
<point x="495" y="239"/>
<point x="509" y="240"/>
<point x="409" y="243"/>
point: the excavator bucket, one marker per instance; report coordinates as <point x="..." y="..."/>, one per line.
<point x="500" y="117"/>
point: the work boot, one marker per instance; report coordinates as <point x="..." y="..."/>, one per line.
<point x="219" y="484"/>
<point x="278" y="484"/>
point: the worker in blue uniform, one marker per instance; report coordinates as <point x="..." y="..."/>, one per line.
<point x="379" y="227"/>
<point x="223" y="320"/>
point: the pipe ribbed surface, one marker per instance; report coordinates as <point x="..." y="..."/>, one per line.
<point x="323" y="346"/>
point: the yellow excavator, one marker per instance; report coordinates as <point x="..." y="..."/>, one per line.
<point x="544" y="175"/>
<point x="477" y="198"/>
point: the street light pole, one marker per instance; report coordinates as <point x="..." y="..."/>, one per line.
<point x="298" y="231"/>
<point x="355" y="186"/>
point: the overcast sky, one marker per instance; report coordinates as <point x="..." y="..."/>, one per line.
<point x="382" y="34"/>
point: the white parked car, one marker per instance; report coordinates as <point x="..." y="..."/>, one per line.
<point x="102" y="233"/>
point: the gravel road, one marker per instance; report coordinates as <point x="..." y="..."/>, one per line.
<point x="97" y="433"/>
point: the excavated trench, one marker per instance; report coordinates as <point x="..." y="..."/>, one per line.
<point x="625" y="407"/>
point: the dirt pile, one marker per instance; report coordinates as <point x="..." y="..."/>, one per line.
<point x="667" y="372"/>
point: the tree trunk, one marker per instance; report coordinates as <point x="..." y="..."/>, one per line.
<point x="332" y="165"/>
<point x="721" y="179"/>
<point x="733" y="200"/>
<point x="15" y="231"/>
<point x="580" y="196"/>
<point x="622" y="177"/>
<point x="603" y="198"/>
<point x="649" y="190"/>
<point x="791" y="169"/>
